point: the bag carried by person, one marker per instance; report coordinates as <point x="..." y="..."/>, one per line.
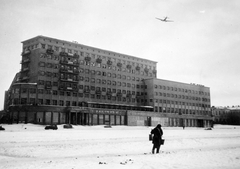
<point x="162" y="141"/>
<point x="150" y="137"/>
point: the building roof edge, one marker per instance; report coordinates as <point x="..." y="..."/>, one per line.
<point x="40" y="36"/>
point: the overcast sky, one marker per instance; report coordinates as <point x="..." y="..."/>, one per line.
<point x="201" y="46"/>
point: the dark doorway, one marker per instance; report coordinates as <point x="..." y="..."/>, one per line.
<point x="73" y="118"/>
<point x="200" y="123"/>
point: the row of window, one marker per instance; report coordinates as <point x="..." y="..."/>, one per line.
<point x="86" y="71"/>
<point x="218" y="113"/>
<point x="50" y="65"/>
<point x="74" y="85"/>
<point x="99" y="97"/>
<point x="92" y="56"/>
<point x="182" y="97"/>
<point x="109" y="74"/>
<point x="181" y="90"/>
<point x="88" y="54"/>
<point x="109" y="82"/>
<point x="99" y="65"/>
<point x="88" y="79"/>
<point x="110" y="97"/>
<point x="116" y="68"/>
<point x="181" y="111"/>
<point x="85" y="89"/>
<point x="75" y="78"/>
<point x="48" y="74"/>
<point x="171" y="102"/>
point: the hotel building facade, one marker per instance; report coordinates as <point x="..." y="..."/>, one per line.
<point x="66" y="82"/>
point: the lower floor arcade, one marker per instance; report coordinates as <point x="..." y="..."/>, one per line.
<point x="185" y="122"/>
<point x="96" y="116"/>
<point x="75" y="118"/>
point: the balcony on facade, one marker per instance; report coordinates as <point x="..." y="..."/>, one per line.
<point x="119" y="94"/>
<point x="69" y="88"/>
<point x="24" y="77"/>
<point x="86" y="90"/>
<point x="64" y="70"/>
<point x="25" y="60"/>
<point x="98" y="92"/>
<point x="129" y="95"/>
<point x="69" y="54"/>
<point x="48" y="86"/>
<point x="68" y="79"/>
<point x="66" y="62"/>
<point x="26" y="52"/>
<point x="50" y="51"/>
<point x="25" y="69"/>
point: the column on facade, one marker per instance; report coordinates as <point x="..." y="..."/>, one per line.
<point x="18" y="115"/>
<point x="174" y="122"/>
<point x="189" y="122"/>
<point x="194" y="122"/>
<point x="26" y="117"/>
<point x="184" y="122"/>
<point x="169" y="121"/>
<point x="76" y="117"/>
<point x="51" y="117"/>
<point x="44" y="117"/>
<point x="59" y="118"/>
<point x="206" y="123"/>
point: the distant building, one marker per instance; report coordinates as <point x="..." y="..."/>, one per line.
<point x="226" y="115"/>
<point x="234" y="116"/>
<point x="66" y="82"/>
<point x="220" y="114"/>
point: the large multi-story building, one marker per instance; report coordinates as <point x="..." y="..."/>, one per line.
<point x="183" y="104"/>
<point x="67" y="82"/>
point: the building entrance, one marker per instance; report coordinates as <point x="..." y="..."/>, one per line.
<point x="79" y="118"/>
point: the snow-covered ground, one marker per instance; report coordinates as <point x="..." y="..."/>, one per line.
<point x="28" y="146"/>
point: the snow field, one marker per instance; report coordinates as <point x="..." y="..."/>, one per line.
<point x="28" y="146"/>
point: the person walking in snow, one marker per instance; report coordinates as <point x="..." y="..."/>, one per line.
<point x="157" y="138"/>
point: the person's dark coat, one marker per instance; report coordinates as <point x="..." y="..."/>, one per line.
<point x="157" y="135"/>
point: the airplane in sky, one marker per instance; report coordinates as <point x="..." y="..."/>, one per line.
<point x="165" y="19"/>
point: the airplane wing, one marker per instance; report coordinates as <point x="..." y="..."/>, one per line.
<point x="164" y="20"/>
<point x="159" y="19"/>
